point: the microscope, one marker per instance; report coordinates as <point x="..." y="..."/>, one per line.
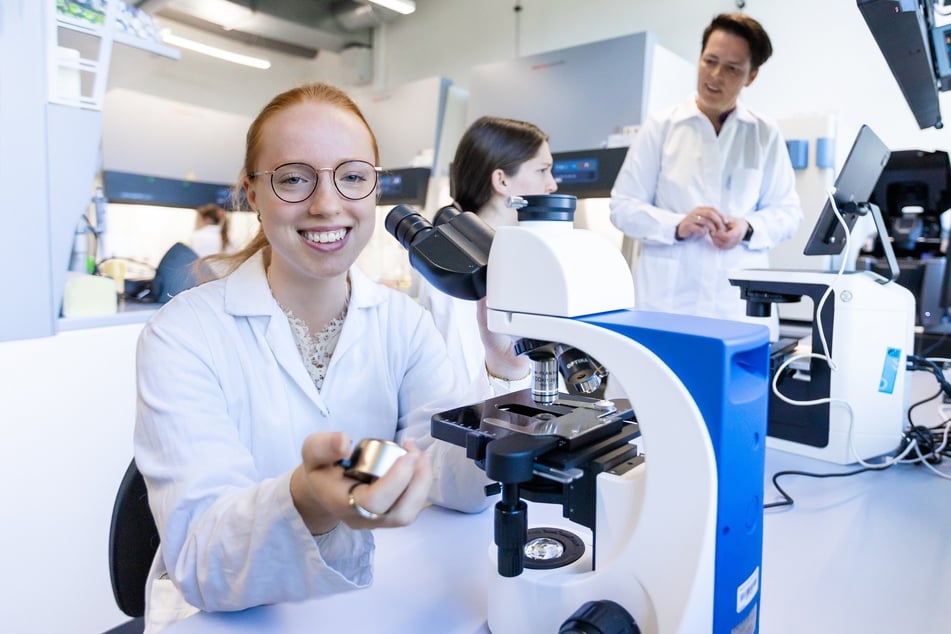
<point x="913" y="193"/>
<point x="658" y="496"/>
<point x="844" y="393"/>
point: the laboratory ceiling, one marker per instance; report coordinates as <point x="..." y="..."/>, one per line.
<point x="296" y="27"/>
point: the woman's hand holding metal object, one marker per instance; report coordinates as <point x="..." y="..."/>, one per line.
<point x="397" y="481"/>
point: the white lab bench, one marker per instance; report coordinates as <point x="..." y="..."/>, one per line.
<point x="128" y="313"/>
<point x="868" y="553"/>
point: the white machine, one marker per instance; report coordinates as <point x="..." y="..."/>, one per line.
<point x="854" y="406"/>
<point x="672" y="537"/>
<point x="843" y="398"/>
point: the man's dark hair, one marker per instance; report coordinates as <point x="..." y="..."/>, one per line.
<point x="744" y="26"/>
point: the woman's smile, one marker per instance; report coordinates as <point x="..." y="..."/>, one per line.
<point x="326" y="239"/>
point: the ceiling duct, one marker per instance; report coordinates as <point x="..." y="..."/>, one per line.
<point x="294" y="27"/>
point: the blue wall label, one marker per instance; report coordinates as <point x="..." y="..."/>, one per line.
<point x="890" y="371"/>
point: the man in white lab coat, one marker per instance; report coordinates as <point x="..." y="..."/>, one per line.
<point x="708" y="186"/>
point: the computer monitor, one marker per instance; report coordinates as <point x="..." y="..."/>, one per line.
<point x="587" y="173"/>
<point x="853" y="187"/>
<point x="142" y="189"/>
<point x="404" y="186"/>
<point x="917" y="51"/>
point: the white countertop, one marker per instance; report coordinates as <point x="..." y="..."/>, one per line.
<point x="128" y="313"/>
<point x="869" y="553"/>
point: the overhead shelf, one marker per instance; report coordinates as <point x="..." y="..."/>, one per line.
<point x="79" y="24"/>
<point x="78" y="68"/>
<point x="147" y="45"/>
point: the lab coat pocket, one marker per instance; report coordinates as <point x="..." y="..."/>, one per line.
<point x="742" y="191"/>
<point x="658" y="270"/>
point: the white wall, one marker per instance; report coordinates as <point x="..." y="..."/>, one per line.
<point x="825" y="58"/>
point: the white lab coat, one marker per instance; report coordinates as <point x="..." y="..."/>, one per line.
<point x="225" y="403"/>
<point x="677" y="162"/>
<point x="206" y="240"/>
<point x="457" y="322"/>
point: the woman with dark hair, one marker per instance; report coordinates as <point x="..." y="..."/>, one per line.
<point x="496" y="158"/>
<point x="251" y="387"/>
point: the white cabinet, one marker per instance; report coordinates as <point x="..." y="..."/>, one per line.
<point x="50" y="115"/>
<point x="80" y="44"/>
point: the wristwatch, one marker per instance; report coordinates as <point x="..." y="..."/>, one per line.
<point x="749" y="232"/>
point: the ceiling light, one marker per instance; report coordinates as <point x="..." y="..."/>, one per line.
<point x="228" y="15"/>
<point x="404" y="7"/>
<point x="212" y="51"/>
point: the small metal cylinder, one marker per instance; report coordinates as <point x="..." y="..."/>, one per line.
<point x="372" y="458"/>
<point x="544" y="377"/>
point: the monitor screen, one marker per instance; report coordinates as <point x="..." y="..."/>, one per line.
<point x="854" y="184"/>
<point x="916" y="52"/>
<point x="587" y="173"/>
<point x="141" y="189"/>
<point x="404" y="186"/>
<point x="941" y="41"/>
<point x="391" y="184"/>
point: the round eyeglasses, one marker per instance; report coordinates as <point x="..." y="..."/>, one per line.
<point x="296" y="182"/>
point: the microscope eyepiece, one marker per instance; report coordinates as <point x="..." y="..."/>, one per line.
<point x="453" y="255"/>
<point x="445" y="214"/>
<point x="405" y="225"/>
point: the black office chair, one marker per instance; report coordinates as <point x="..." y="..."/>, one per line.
<point x="133" y="540"/>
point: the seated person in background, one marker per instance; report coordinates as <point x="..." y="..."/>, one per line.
<point x="252" y="387"/>
<point x="708" y="186"/>
<point x="496" y="158"/>
<point x="211" y="231"/>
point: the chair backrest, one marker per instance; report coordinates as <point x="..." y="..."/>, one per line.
<point x="175" y="273"/>
<point x="133" y="540"/>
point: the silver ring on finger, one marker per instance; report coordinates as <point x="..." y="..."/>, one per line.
<point x="362" y="512"/>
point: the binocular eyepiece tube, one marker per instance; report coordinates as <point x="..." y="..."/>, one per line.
<point x="405" y="224"/>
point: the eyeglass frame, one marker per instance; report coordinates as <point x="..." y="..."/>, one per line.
<point x="377" y="170"/>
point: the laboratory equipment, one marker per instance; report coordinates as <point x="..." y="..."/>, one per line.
<point x="917" y="49"/>
<point x="913" y="193"/>
<point x="148" y="189"/>
<point x="404" y="186"/>
<point x="587" y="173"/>
<point x="673" y="534"/>
<point x="80" y="259"/>
<point x="841" y="395"/>
<point x="576" y="95"/>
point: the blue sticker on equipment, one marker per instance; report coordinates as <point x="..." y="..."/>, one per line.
<point x="890" y="371"/>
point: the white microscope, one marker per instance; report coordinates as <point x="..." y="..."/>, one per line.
<point x="671" y="536"/>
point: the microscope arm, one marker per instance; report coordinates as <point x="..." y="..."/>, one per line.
<point x="679" y="495"/>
